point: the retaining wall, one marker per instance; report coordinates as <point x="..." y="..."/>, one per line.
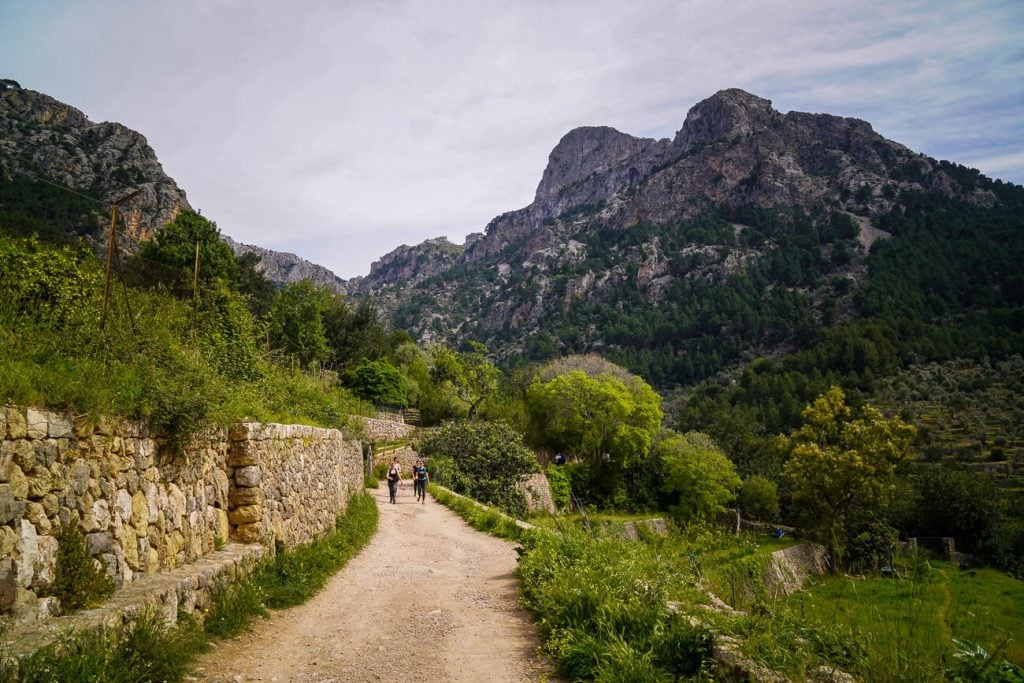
<point x="145" y="510"/>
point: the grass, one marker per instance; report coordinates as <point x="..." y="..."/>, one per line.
<point x="149" y="650"/>
<point x="908" y="624"/>
<point x="481" y="517"/>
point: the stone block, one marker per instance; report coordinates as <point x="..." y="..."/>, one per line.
<point x="45" y="568"/>
<point x="18" y="482"/>
<point x="39" y="483"/>
<point x="248" y="476"/>
<point x="24" y="456"/>
<point x="47" y="608"/>
<point x="140" y="511"/>
<point x="11" y="509"/>
<point x="243" y="453"/>
<point x="17" y="428"/>
<point x="45" y="452"/>
<point x="6" y="458"/>
<point x="37" y="423"/>
<point x="240" y="431"/>
<point x="248" y="533"/>
<point x="78" y="476"/>
<point x="28" y="552"/>
<point x="99" y="542"/>
<point x="250" y="496"/>
<point x="8" y="584"/>
<point x="59" y="426"/>
<point x="35" y="513"/>
<point x="222" y="525"/>
<point x="8" y="540"/>
<point x="123" y="505"/>
<point x="245" y="514"/>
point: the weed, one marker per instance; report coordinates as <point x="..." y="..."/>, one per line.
<point x="78" y="582"/>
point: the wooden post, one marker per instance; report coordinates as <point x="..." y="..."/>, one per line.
<point x="111" y="246"/>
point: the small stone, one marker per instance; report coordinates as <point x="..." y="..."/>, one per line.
<point x="19" y="483"/>
<point x="60" y="426"/>
<point x="17" y="428"/>
<point x="24" y="456"/>
<point x="47" y="608"/>
<point x="45" y="451"/>
<point x="248" y="476"/>
<point x="35" y="513"/>
<point x="245" y="514"/>
<point x="37" y="423"/>
<point x="8" y="583"/>
<point x="28" y="553"/>
<point x="8" y="541"/>
<point x="248" y="533"/>
<point x="99" y="542"/>
<point x="140" y="511"/>
<point x="78" y="474"/>
<point x="248" y="496"/>
<point x="10" y="509"/>
<point x="39" y="483"/>
<point x="123" y="505"/>
<point x="45" y="568"/>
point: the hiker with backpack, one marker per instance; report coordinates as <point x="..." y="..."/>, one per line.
<point x="420" y="477"/>
<point x="394" y="478"/>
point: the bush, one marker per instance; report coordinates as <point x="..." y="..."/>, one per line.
<point x="561" y="491"/>
<point x="78" y="581"/>
<point x="488" y="459"/>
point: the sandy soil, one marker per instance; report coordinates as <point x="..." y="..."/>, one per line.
<point x="429" y="599"/>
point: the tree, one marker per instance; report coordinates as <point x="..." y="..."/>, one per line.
<point x="377" y="381"/>
<point x="483" y="460"/>
<point x="599" y="417"/>
<point x="173" y="251"/>
<point x="296" y="323"/>
<point x="759" y="498"/>
<point x="842" y="466"/>
<point x="467" y="377"/>
<point x="696" y="471"/>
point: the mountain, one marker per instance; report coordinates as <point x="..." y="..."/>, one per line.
<point x="282" y="267"/>
<point x="47" y="146"/>
<point x="42" y="139"/>
<point x="745" y="235"/>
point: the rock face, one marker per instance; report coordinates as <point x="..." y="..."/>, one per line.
<point x="43" y="138"/>
<point x="282" y="267"/>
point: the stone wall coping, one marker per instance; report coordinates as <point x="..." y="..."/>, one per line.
<point x="164" y="591"/>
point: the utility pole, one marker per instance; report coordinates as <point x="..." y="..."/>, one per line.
<point x="111" y="247"/>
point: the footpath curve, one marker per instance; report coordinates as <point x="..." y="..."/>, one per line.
<point x="429" y="599"/>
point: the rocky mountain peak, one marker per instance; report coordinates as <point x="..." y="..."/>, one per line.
<point x="727" y="113"/>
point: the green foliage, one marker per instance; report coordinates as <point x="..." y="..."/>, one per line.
<point x="842" y="466"/>
<point x="296" y="325"/>
<point x="759" y="498"/>
<point x="147" y="649"/>
<point x="487" y="461"/>
<point x="698" y="473"/>
<point x="233" y="607"/>
<point x="55" y="284"/>
<point x="476" y="515"/>
<point x="466" y="378"/>
<point x="602" y="608"/>
<point x="596" y="417"/>
<point x="561" y="489"/>
<point x="78" y="583"/>
<point x="169" y="259"/>
<point x="377" y="381"/>
<point x="32" y="207"/>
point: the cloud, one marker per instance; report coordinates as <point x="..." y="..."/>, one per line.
<point x="340" y="130"/>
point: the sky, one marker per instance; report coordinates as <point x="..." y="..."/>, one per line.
<point x="339" y="130"/>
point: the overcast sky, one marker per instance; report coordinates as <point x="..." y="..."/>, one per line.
<point x="340" y="130"/>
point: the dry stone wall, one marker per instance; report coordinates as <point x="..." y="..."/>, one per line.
<point x="144" y="510"/>
<point x="381" y="431"/>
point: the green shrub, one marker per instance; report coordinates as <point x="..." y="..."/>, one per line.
<point x="78" y="582"/>
<point x="560" y="488"/>
<point x="233" y="607"/>
<point x="147" y="649"/>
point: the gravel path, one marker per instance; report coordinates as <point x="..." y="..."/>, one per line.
<point x="429" y="599"/>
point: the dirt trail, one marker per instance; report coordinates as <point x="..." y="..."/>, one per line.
<point x="429" y="599"/>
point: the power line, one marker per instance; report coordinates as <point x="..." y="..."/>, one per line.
<point x="33" y="176"/>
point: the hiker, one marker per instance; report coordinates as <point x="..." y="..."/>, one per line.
<point x="420" y="477"/>
<point x="394" y="478"/>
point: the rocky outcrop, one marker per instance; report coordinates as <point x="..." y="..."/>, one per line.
<point x="409" y="265"/>
<point x="283" y="268"/>
<point x="43" y="138"/>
